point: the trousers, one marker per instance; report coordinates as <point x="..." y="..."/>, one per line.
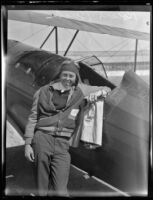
<point x="52" y="164"/>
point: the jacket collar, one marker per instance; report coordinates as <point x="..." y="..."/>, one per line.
<point x="58" y="86"/>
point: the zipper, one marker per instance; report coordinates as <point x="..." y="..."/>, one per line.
<point x="58" y="124"/>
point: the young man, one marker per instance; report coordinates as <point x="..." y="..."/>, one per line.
<point x="50" y="127"/>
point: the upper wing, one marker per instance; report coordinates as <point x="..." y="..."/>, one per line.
<point x="46" y="19"/>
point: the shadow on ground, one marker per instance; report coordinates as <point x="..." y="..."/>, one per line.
<point x="20" y="179"/>
<point x="19" y="173"/>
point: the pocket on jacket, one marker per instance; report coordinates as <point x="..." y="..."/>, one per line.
<point x="73" y="114"/>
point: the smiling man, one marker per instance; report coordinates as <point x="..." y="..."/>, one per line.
<point x="50" y="126"/>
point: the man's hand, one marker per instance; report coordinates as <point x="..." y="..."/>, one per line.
<point x="29" y="153"/>
<point x="93" y="96"/>
<point x="105" y="91"/>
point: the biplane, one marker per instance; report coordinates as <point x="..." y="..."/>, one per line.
<point x="122" y="160"/>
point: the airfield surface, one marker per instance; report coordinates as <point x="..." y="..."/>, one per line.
<point x="20" y="178"/>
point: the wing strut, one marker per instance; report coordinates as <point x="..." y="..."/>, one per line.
<point x="56" y="39"/>
<point x="71" y="42"/>
<point x="135" y="57"/>
<point x="47" y="38"/>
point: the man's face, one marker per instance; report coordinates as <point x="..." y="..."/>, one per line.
<point x="68" y="79"/>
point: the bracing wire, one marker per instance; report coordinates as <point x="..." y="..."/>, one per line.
<point x="143" y="61"/>
<point x="107" y="51"/>
<point x="96" y="42"/>
<point x="123" y="45"/>
<point x="82" y="44"/>
<point x="118" y="44"/>
<point x="40" y="30"/>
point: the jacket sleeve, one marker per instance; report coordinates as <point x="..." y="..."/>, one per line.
<point x="88" y="89"/>
<point x="32" y="120"/>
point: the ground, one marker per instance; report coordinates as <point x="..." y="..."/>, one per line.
<point x="20" y="173"/>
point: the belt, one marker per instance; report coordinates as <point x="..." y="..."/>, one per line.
<point x="56" y="131"/>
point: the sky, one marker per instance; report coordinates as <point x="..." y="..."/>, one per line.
<point x="34" y="35"/>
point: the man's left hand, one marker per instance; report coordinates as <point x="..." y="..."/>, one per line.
<point x="104" y="92"/>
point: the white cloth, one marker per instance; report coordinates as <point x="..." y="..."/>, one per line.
<point x="93" y="124"/>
